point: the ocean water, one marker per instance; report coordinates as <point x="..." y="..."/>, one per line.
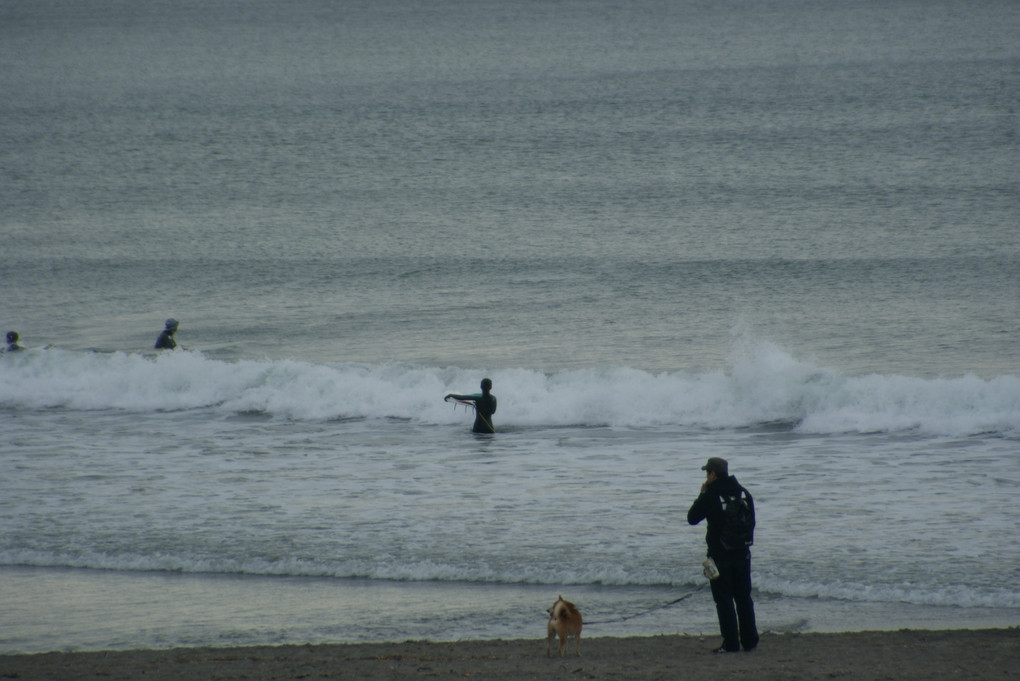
<point x="783" y="233"/>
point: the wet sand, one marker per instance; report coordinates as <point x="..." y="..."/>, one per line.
<point x="873" y="655"/>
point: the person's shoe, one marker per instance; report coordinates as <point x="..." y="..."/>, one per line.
<point x="724" y="649"/>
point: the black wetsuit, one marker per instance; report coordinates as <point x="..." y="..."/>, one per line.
<point x="485" y="407"/>
<point x="733" y="586"/>
<point x="12" y="342"/>
<point x="166" y="341"/>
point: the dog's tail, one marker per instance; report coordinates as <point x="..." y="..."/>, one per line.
<point x="566" y="610"/>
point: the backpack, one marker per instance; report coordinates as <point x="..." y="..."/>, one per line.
<point x="738" y="520"/>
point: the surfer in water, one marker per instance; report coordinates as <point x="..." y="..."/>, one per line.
<point x="485" y="406"/>
<point x="166" y="339"/>
<point x="12" y="342"/>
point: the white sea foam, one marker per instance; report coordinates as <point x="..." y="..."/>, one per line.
<point x="949" y="595"/>
<point x="765" y="388"/>
<point x="509" y="572"/>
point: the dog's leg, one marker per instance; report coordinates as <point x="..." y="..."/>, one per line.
<point x="577" y="643"/>
<point x="563" y="643"/>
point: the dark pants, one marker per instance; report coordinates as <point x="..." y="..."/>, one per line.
<point x="733" y="587"/>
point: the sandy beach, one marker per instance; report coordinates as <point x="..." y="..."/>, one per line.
<point x="905" y="654"/>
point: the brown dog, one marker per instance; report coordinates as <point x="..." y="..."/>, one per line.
<point x="564" y="620"/>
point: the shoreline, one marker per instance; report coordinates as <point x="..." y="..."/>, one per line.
<point x="82" y="610"/>
<point x="864" y="655"/>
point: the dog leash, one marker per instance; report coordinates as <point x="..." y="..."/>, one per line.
<point x="643" y="612"/>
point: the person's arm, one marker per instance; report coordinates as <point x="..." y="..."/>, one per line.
<point x="699" y="509"/>
<point x="462" y="398"/>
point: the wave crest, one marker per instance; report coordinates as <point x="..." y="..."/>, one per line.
<point x="759" y="388"/>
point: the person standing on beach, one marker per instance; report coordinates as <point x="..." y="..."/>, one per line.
<point x="485" y="406"/>
<point x="166" y="338"/>
<point x="729" y="544"/>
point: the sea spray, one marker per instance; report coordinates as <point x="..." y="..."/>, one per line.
<point x="769" y="387"/>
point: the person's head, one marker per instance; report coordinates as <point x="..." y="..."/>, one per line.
<point x="12" y="336"/>
<point x="171" y="325"/>
<point x="486" y="385"/>
<point x="716" y="468"/>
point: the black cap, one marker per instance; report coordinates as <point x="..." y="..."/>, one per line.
<point x="717" y="466"/>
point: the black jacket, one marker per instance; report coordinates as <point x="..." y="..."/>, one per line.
<point x="708" y="506"/>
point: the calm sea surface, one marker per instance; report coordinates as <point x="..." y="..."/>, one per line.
<point x="784" y="233"/>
